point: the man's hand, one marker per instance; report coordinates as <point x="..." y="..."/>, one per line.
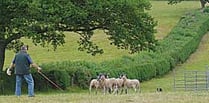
<point x="9" y="72"/>
<point x="39" y="69"/>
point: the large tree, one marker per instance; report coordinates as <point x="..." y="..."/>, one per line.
<point x="126" y="22"/>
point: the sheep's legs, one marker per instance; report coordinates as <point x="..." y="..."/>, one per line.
<point x="110" y="90"/>
<point x="104" y="90"/>
<point x="90" y="90"/>
<point x="115" y="91"/>
<point x="96" y="91"/>
<point x="121" y="91"/>
<point x="126" y="91"/>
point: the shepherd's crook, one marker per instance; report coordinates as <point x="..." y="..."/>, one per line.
<point x="49" y="80"/>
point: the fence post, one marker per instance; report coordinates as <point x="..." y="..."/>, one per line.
<point x="196" y="88"/>
<point x="192" y="80"/>
<point x="185" y="85"/>
<point x="207" y="77"/>
<point x="174" y="80"/>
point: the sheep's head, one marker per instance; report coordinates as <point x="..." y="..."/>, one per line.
<point x="124" y="77"/>
<point x="102" y="77"/>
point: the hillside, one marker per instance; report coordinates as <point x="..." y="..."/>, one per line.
<point x="197" y="61"/>
<point x="167" y="18"/>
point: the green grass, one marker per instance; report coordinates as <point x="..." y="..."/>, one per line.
<point x="69" y="51"/>
<point x="100" y="98"/>
<point x="166" y="15"/>
<point x="197" y="61"/>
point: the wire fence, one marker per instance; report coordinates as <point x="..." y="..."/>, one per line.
<point x="192" y="81"/>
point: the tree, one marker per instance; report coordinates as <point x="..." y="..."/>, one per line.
<point x="18" y="18"/>
<point x="126" y="22"/>
<point x="202" y="2"/>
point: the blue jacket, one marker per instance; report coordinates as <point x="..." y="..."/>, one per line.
<point x="22" y="63"/>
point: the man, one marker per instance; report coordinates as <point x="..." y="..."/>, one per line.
<point x="21" y="63"/>
<point x="203" y="2"/>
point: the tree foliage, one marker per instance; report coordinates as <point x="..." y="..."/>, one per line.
<point x="126" y="22"/>
<point x="202" y="2"/>
<point x="174" y="1"/>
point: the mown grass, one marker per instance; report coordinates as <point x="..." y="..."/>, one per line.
<point x="188" y="97"/>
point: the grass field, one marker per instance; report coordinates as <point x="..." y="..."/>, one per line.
<point x="167" y="17"/>
<point x="187" y="97"/>
<point x="197" y="61"/>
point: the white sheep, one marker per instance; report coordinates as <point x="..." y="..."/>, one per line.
<point x="108" y="84"/>
<point x="130" y="83"/>
<point x="94" y="84"/>
<point x="120" y="84"/>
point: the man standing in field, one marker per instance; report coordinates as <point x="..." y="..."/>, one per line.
<point x="21" y="63"/>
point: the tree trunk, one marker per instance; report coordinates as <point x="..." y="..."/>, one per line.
<point x="2" y="54"/>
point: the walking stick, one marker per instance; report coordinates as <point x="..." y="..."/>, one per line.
<point x="49" y="80"/>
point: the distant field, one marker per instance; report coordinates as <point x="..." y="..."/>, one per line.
<point x="166" y="15"/>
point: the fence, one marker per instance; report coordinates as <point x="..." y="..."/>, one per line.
<point x="192" y="81"/>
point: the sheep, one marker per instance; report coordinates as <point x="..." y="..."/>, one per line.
<point x="94" y="84"/>
<point x="108" y="84"/>
<point x="120" y="84"/>
<point x="130" y="83"/>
